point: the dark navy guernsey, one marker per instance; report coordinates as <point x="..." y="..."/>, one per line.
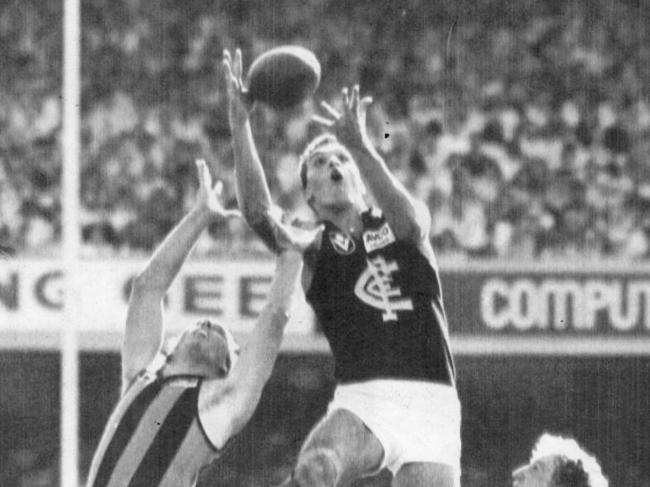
<point x="379" y="303"/>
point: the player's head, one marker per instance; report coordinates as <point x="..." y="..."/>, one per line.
<point x="559" y="462"/>
<point x="329" y="175"/>
<point x="207" y="348"/>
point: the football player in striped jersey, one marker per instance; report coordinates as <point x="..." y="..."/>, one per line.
<point x="178" y="410"/>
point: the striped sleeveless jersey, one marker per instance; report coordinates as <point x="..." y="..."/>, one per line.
<point x="154" y="437"/>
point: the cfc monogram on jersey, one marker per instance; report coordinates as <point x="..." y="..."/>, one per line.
<point x="375" y="288"/>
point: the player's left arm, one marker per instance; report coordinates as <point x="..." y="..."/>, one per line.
<point x="227" y="404"/>
<point x="408" y="217"/>
<point x="143" y="334"/>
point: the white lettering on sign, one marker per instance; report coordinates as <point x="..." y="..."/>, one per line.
<point x="562" y="304"/>
<point x="32" y="295"/>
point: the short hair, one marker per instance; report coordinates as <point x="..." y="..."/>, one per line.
<point x="318" y="142"/>
<point x="576" y="467"/>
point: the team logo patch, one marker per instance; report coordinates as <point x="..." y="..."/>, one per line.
<point x="342" y="243"/>
<point x="376" y="239"/>
<point x="375" y="287"/>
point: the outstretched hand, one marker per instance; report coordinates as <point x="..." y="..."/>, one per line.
<point x="349" y="127"/>
<point x="240" y="105"/>
<point x="209" y="194"/>
<point x="293" y="237"/>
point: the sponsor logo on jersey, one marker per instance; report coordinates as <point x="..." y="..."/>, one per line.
<point x="376" y="239"/>
<point x="375" y="288"/>
<point x="342" y="243"/>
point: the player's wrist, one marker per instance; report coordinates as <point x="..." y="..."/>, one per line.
<point x="238" y="125"/>
<point x="363" y="150"/>
<point x="239" y="117"/>
<point x="289" y="260"/>
<point x="201" y="210"/>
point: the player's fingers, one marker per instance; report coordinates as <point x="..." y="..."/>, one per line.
<point x="354" y="99"/>
<point x="308" y="237"/>
<point x="331" y="110"/>
<point x="200" y="169"/>
<point x="346" y="97"/>
<point x="238" y="64"/>
<point x="274" y="218"/>
<point x="225" y="69"/>
<point x="318" y="231"/>
<point x="232" y="213"/>
<point x="231" y="80"/>
<point x="326" y="122"/>
<point x="218" y="187"/>
<point x="365" y="102"/>
<point x="207" y="177"/>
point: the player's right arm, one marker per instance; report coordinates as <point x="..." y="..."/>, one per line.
<point x="253" y="193"/>
<point x="143" y="334"/>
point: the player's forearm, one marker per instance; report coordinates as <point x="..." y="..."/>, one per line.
<point x="168" y="258"/>
<point x="265" y="340"/>
<point x="255" y="365"/>
<point x="288" y="268"/>
<point x="396" y="203"/>
<point x="258" y="356"/>
<point x="253" y="193"/>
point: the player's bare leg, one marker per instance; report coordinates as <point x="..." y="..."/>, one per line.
<point x="419" y="474"/>
<point x="339" y="450"/>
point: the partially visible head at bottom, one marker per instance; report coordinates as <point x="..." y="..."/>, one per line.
<point x="559" y="462"/>
<point x="208" y="348"/>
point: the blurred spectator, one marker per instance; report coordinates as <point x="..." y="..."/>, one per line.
<point x="528" y="133"/>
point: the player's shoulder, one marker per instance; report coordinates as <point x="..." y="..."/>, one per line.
<point x="307" y="223"/>
<point x="216" y="411"/>
<point x="420" y="239"/>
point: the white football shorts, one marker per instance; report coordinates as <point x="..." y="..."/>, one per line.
<point x="414" y="421"/>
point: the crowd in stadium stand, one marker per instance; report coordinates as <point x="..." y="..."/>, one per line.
<point x="525" y="126"/>
<point x="527" y="132"/>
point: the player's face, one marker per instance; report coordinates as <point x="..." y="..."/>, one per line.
<point x="536" y="474"/>
<point x="332" y="177"/>
<point x="206" y="345"/>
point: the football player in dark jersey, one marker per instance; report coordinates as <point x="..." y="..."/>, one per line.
<point x="178" y="409"/>
<point x="559" y="462"/>
<point x="372" y="280"/>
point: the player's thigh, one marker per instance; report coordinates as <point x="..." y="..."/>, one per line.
<point x="382" y="479"/>
<point x="425" y="474"/>
<point x="357" y="449"/>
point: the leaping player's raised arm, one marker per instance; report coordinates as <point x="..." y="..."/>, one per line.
<point x="144" y="329"/>
<point x="230" y="402"/>
<point x="253" y="192"/>
<point x="408" y="217"/>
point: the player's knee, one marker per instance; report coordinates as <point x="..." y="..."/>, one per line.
<point x="317" y="468"/>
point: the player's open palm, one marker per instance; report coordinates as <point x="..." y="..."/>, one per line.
<point x="349" y="127"/>
<point x="294" y="237"/>
<point x="209" y="194"/>
<point x="240" y="105"/>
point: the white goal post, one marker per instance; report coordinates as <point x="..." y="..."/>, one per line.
<point x="69" y="391"/>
